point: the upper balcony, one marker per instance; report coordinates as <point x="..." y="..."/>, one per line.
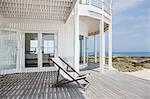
<point x="96" y="7"/>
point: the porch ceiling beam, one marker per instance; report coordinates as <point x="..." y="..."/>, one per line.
<point x="5" y="4"/>
<point x="39" y="9"/>
<point x="31" y="10"/>
<point x="73" y="5"/>
<point x="35" y="1"/>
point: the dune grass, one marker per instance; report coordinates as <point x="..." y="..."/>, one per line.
<point x="146" y="65"/>
<point x="125" y="64"/>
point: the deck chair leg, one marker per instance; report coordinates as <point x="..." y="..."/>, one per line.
<point x="66" y="82"/>
<point x="80" y="85"/>
<point x="58" y="83"/>
<point x="58" y="75"/>
<point x="86" y="81"/>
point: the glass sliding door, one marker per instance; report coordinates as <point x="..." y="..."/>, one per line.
<point x="8" y="50"/>
<point x="31" y="50"/>
<point x="39" y="48"/>
<point x="86" y="51"/>
<point x="81" y="49"/>
<point x="48" y="49"/>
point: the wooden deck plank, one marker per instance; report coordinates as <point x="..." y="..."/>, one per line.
<point x="112" y="85"/>
<point x="107" y="85"/>
<point x="35" y="86"/>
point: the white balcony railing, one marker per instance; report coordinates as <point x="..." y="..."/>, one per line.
<point x="108" y="6"/>
<point x="86" y="2"/>
<point x="98" y="4"/>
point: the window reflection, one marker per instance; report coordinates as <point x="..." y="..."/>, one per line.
<point x="31" y="50"/>
<point x="48" y="49"/>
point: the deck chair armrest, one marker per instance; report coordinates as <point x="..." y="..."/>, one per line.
<point x="82" y="76"/>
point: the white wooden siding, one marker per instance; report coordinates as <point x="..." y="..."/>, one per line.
<point x="64" y="32"/>
<point x="66" y="40"/>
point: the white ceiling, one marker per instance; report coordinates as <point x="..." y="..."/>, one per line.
<point x="93" y="25"/>
<point x="37" y="9"/>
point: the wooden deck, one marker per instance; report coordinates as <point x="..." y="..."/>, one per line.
<point x="116" y="85"/>
<point x="109" y="85"/>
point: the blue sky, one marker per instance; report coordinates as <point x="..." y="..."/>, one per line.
<point x="131" y="26"/>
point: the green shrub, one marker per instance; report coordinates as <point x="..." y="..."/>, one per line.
<point x="126" y="66"/>
<point x="146" y="65"/>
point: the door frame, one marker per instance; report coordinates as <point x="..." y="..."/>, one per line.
<point x="40" y="67"/>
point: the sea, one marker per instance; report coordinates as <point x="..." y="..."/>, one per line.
<point x="141" y="54"/>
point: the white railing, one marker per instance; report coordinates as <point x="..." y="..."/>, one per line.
<point x="108" y="6"/>
<point x="86" y="2"/>
<point x="98" y="3"/>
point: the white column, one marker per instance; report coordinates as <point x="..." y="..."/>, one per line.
<point x="102" y="41"/>
<point x="76" y="37"/>
<point x="102" y="46"/>
<point x="40" y="51"/>
<point x="19" y="51"/>
<point x="89" y="2"/>
<point x="95" y="49"/>
<point x="110" y="46"/>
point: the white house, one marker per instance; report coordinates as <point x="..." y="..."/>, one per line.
<point x="32" y="31"/>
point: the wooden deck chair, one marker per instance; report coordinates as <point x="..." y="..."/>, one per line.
<point x="67" y="77"/>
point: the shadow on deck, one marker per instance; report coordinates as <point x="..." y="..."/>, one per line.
<point x="36" y="86"/>
<point x="90" y="66"/>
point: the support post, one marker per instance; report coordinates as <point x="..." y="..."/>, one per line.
<point x="110" y="46"/>
<point x="102" y="41"/>
<point x="76" y="37"/>
<point x="89" y="2"/>
<point x="102" y="46"/>
<point x="95" y="48"/>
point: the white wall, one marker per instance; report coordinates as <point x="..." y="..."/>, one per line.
<point x="66" y="40"/>
<point x="64" y="32"/>
<point x="31" y="25"/>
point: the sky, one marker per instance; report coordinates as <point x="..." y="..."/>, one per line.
<point x="131" y="26"/>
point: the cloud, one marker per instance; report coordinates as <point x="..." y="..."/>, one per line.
<point x="123" y="5"/>
<point x="131" y="19"/>
<point x="131" y="22"/>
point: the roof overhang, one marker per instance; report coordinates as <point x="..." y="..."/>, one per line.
<point x="37" y="9"/>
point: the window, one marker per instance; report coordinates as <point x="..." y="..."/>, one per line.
<point x="8" y="49"/>
<point x="33" y="46"/>
<point x="48" y="46"/>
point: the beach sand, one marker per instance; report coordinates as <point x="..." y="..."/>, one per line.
<point x="144" y="74"/>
